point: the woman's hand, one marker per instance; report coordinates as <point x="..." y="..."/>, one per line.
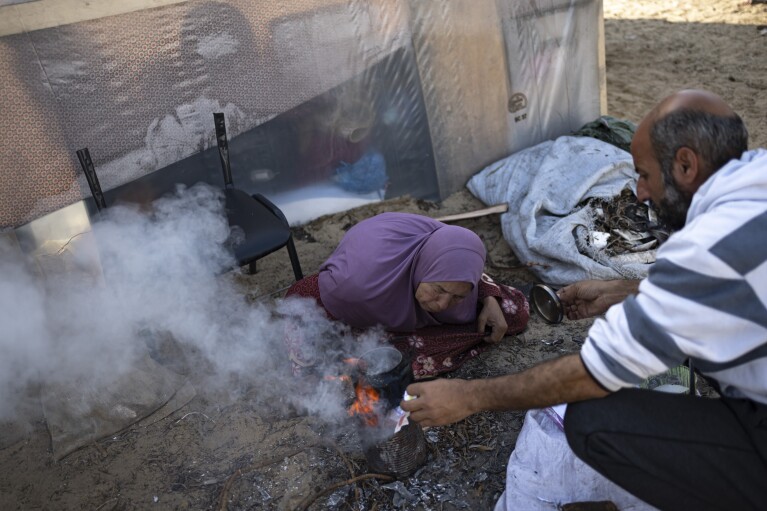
<point x="492" y="316"/>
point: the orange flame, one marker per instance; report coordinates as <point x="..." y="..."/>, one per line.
<point x="365" y="404"/>
<point x="351" y="360"/>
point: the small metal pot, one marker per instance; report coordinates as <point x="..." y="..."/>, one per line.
<point x="387" y="370"/>
<point x="546" y="303"/>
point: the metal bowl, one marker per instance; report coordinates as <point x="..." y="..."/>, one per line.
<point x="380" y="360"/>
<point x="546" y="303"/>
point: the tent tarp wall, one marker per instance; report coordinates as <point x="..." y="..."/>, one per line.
<point x="440" y="88"/>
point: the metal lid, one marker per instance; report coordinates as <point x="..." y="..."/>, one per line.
<point x="546" y="303"/>
<point x="380" y="360"/>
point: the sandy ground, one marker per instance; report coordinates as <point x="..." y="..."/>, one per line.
<point x="259" y="454"/>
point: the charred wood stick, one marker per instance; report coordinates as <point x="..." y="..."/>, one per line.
<point x="498" y="208"/>
<point x="304" y="505"/>
<point x="232" y="478"/>
<point x="225" y="491"/>
<point x="348" y="466"/>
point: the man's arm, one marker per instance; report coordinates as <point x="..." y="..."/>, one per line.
<point x="562" y="380"/>
<point x="589" y="298"/>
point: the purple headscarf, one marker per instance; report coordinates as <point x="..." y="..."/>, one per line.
<point x="372" y="276"/>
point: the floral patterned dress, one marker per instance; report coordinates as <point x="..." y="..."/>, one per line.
<point x="433" y="349"/>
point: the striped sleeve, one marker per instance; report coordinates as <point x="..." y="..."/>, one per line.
<point x="701" y="300"/>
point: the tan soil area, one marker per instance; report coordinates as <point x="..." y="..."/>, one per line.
<point x="259" y="453"/>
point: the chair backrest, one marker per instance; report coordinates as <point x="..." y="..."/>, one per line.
<point x="266" y="228"/>
<point x="93" y="180"/>
<point x="223" y="147"/>
<point x="263" y="225"/>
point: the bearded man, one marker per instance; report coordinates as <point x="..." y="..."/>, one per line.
<point x="705" y="299"/>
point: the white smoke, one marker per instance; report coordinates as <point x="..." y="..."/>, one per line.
<point x="25" y="335"/>
<point x="163" y="276"/>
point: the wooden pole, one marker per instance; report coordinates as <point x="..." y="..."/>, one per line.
<point x="498" y="208"/>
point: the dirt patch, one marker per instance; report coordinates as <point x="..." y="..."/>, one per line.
<point x="259" y="452"/>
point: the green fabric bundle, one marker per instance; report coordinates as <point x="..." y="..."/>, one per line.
<point x="617" y="132"/>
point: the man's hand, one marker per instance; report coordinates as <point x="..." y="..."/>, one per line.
<point x="492" y="316"/>
<point x="439" y="402"/>
<point x="560" y="380"/>
<point x="589" y="298"/>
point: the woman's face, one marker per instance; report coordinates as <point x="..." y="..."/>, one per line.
<point x="438" y="296"/>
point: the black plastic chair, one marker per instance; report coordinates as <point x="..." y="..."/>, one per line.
<point x="264" y="227"/>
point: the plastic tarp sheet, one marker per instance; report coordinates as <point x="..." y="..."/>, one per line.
<point x="543" y="187"/>
<point x="308" y="88"/>
<point x="544" y="473"/>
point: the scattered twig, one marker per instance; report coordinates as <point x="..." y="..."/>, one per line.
<point x="70" y="241"/>
<point x="225" y="490"/>
<point x="62" y="247"/>
<point x="194" y="413"/>
<point x="54" y="254"/>
<point x="107" y="502"/>
<point x="239" y="472"/>
<point x="304" y="505"/>
<point x="351" y="470"/>
<point x="498" y="208"/>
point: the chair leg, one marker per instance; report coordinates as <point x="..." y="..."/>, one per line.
<point x="252" y="268"/>
<point x="294" y="259"/>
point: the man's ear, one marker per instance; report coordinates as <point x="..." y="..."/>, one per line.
<point x="687" y="172"/>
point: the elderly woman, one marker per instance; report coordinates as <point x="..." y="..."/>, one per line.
<point x="422" y="281"/>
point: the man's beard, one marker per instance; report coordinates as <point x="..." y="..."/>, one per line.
<point x="672" y="209"/>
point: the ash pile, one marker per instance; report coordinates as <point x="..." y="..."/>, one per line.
<point x="620" y="231"/>
<point x="402" y="468"/>
<point x="465" y="470"/>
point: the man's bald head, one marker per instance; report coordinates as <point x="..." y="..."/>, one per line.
<point x="682" y="141"/>
<point x="696" y="100"/>
<point x="701" y="121"/>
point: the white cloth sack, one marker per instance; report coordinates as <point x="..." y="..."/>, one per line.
<point x="542" y="186"/>
<point x="543" y="473"/>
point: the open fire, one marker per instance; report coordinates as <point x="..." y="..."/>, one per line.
<point x="391" y="444"/>
<point x="366" y="404"/>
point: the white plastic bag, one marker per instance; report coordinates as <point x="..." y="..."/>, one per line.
<point x="544" y="473"/>
<point x="542" y="186"/>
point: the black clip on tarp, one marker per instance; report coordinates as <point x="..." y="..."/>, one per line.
<point x="90" y="174"/>
<point x="223" y="147"/>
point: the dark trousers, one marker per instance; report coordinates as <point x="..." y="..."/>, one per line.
<point x="675" y="452"/>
